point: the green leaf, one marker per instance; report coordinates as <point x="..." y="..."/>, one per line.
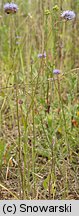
<point x="2" y="146"/>
<point x="45" y="183"/>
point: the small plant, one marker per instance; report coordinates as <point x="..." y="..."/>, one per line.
<point x="39" y="115"/>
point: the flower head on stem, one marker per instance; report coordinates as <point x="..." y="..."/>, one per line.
<point x="68" y="15"/>
<point x="56" y="71"/>
<point x="40" y="55"/>
<point x="10" y="8"/>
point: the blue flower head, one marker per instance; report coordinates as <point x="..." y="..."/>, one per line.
<point x="10" y="8"/>
<point x="68" y="15"/>
<point x="56" y="71"/>
<point x="40" y="55"/>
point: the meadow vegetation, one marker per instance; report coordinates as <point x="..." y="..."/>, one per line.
<point x="39" y="107"/>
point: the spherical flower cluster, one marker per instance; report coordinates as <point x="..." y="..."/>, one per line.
<point x="10" y="8"/>
<point x="68" y="15"/>
<point x="56" y="71"/>
<point x="40" y="55"/>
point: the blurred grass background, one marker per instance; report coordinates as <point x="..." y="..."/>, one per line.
<point x="39" y="111"/>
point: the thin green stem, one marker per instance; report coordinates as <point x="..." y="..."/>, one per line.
<point x="19" y="140"/>
<point x="33" y="141"/>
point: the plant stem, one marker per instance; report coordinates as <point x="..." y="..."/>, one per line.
<point x="33" y="141"/>
<point x="19" y="140"/>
